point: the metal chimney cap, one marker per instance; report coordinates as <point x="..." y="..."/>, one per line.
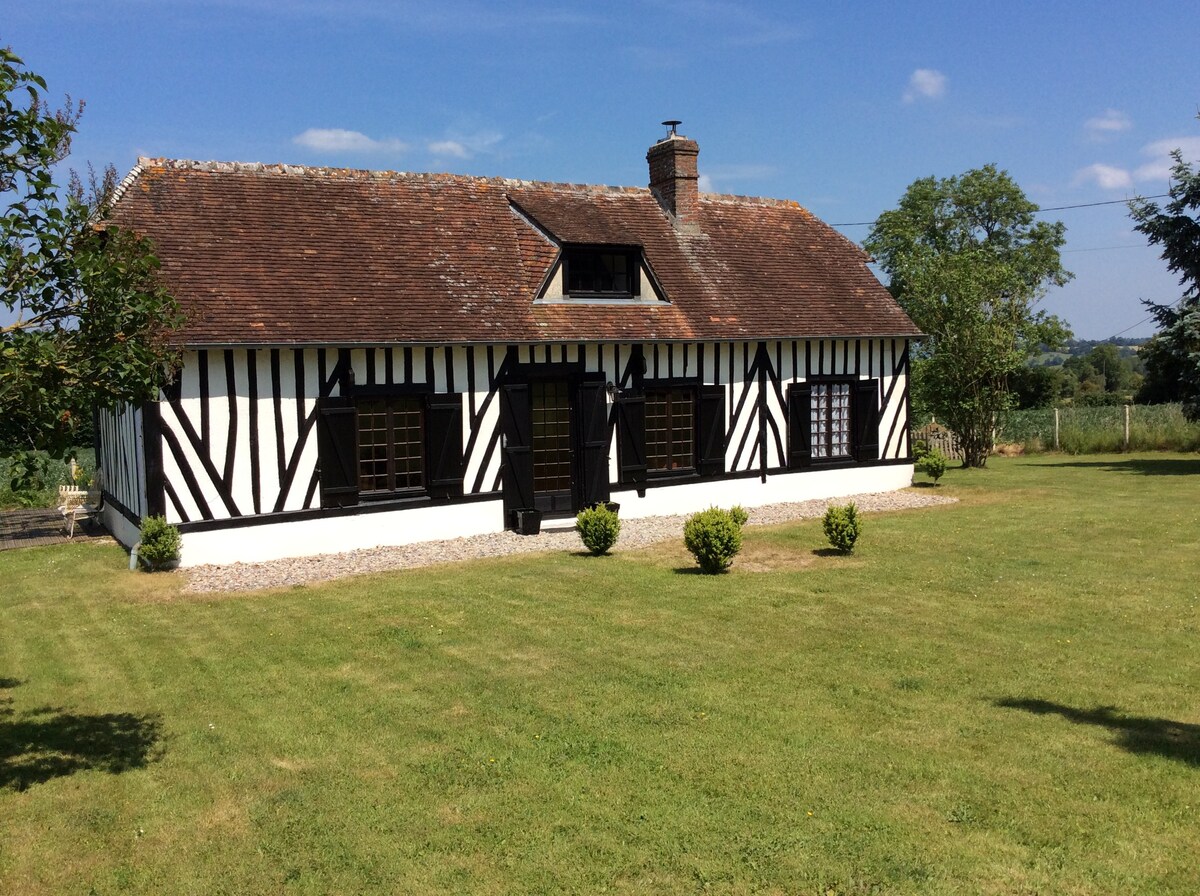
<point x="673" y="123"/>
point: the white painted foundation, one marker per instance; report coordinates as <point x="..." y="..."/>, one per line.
<point x="336" y="535"/>
<point x="304" y="538"/>
<point x="120" y="528"/>
<point x="780" y="488"/>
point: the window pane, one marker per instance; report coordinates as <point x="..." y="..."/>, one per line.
<point x="829" y="419"/>
<point x="391" y="444"/>
<point x="551" y="436"/>
<point x="605" y="273"/>
<point x="372" y="446"/>
<point x="408" y="443"/>
<point x="839" y="421"/>
<point x="819" y="420"/>
<point x="670" y="429"/>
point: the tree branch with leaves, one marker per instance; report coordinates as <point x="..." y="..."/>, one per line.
<point x="90" y="319"/>
<point x="1173" y="358"/>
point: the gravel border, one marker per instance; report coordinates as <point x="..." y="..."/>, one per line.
<point x="635" y="533"/>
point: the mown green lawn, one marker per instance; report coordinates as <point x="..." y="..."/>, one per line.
<point x="997" y="696"/>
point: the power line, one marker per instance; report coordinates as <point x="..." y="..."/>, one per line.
<point x="1127" y="329"/>
<point x="1178" y="304"/>
<point x="1106" y="248"/>
<point x="1059" y="208"/>
<point x="1052" y="208"/>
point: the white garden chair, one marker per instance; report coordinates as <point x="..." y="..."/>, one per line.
<point x="75" y="503"/>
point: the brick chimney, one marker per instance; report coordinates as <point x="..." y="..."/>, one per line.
<point x="673" y="176"/>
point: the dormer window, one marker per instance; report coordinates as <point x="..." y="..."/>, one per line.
<point x="601" y="271"/>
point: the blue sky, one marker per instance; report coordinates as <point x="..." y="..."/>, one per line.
<point x="837" y="106"/>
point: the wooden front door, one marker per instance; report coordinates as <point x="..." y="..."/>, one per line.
<point x="555" y="455"/>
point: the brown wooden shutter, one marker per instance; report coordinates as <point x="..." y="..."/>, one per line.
<point x="593" y="429"/>
<point x="444" y="445"/>
<point x="799" y="425"/>
<point x="631" y="438"/>
<point x="337" y="451"/>
<point x="866" y="420"/>
<point x="516" y="426"/>
<point x="710" y="431"/>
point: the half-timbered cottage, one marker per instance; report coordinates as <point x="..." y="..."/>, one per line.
<point x="381" y="358"/>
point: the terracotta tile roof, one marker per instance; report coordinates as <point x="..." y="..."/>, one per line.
<point x="280" y="254"/>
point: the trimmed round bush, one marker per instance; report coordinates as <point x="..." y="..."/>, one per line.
<point x="713" y="537"/>
<point x="161" y="542"/>
<point x="842" y="527"/>
<point x="598" y="528"/>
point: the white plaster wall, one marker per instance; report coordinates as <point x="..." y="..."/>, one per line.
<point x="473" y="469"/>
<point x="334" y="535"/>
<point x="778" y="489"/>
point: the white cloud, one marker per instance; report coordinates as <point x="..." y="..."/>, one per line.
<point x="1108" y="125"/>
<point x="342" y="140"/>
<point x="705" y="184"/>
<point x="1159" y="166"/>
<point x="925" y="83"/>
<point x="1108" y="177"/>
<point x="464" y="146"/>
<point x="448" y="148"/>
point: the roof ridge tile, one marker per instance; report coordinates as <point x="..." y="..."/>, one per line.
<point x="369" y="174"/>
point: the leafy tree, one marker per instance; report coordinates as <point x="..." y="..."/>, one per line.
<point x="1102" y="372"/>
<point x="87" y="315"/>
<point x="1163" y="382"/>
<point x="1040" y="387"/>
<point x="1176" y="227"/>
<point x="969" y="263"/>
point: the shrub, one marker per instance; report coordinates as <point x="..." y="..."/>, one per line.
<point x="714" y="537"/>
<point x="160" y="542"/>
<point x="598" y="528"/>
<point x="739" y="514"/>
<point x="842" y="527"/>
<point x="933" y="464"/>
<point x="31" y="479"/>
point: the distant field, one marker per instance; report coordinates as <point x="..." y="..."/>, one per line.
<point x="1085" y="430"/>
<point x="998" y="696"/>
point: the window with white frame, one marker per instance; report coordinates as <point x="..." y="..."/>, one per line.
<point x="830" y="420"/>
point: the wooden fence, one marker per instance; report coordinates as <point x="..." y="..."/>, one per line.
<point x="937" y="436"/>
